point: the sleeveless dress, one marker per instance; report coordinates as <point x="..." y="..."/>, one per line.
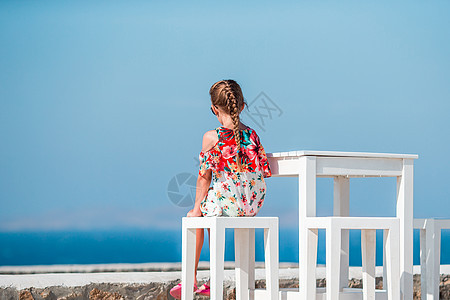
<point x="235" y="194"/>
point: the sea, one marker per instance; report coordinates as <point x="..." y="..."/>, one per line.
<point x="144" y="246"/>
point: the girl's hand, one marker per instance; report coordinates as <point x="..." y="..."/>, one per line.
<point x="194" y="213"/>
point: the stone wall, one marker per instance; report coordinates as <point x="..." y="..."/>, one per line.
<point x="160" y="290"/>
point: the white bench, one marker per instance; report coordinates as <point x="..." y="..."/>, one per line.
<point x="244" y="235"/>
<point x="430" y="255"/>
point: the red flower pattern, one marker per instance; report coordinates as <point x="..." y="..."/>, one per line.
<point x="231" y="190"/>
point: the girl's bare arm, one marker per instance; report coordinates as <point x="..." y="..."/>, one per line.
<point x="203" y="182"/>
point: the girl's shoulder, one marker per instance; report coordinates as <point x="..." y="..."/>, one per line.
<point x="210" y="139"/>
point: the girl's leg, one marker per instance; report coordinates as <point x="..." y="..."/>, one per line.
<point x="199" y="237"/>
<point x="208" y="282"/>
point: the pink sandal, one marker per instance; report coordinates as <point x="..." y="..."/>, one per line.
<point x="176" y="291"/>
<point x="203" y="290"/>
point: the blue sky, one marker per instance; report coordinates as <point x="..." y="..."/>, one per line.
<point x="103" y="103"/>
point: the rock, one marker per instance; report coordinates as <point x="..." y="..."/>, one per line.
<point x="444" y="287"/>
<point x="160" y="290"/>
<point x="97" y="294"/>
<point x="25" y="295"/>
<point x="48" y="295"/>
<point x="355" y="283"/>
<point x="72" y="296"/>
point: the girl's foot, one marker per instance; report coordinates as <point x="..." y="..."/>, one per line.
<point x="176" y="291"/>
<point x="204" y="290"/>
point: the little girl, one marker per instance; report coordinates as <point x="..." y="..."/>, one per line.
<point x="233" y="158"/>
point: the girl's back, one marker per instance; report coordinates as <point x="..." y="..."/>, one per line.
<point x="235" y="192"/>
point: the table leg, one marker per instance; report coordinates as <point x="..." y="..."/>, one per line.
<point x="307" y="241"/>
<point x="341" y="204"/>
<point x="405" y="214"/>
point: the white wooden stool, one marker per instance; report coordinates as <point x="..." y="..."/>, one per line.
<point x="368" y="227"/>
<point x="430" y="255"/>
<point x="244" y="234"/>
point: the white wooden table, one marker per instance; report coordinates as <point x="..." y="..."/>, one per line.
<point x="307" y="165"/>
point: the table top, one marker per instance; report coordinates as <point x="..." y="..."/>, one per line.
<point x="340" y="154"/>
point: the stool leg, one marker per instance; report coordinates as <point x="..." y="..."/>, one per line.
<point x="251" y="268"/>
<point x="308" y="265"/>
<point x="368" y="243"/>
<point x="217" y="248"/>
<point x="271" y="259"/>
<point x="385" y="284"/>
<point x="433" y="246"/>
<point x="423" y="264"/>
<point x="385" y="256"/>
<point x="242" y="261"/>
<point x="393" y="263"/>
<point x="333" y="255"/>
<point x="187" y="265"/>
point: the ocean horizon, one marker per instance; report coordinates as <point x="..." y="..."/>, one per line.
<point x="145" y="246"/>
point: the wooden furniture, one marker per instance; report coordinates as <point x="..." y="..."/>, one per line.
<point x="307" y="166"/>
<point x="430" y="255"/>
<point x="368" y="226"/>
<point x="244" y="234"/>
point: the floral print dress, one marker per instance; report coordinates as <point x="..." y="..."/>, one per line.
<point x="235" y="194"/>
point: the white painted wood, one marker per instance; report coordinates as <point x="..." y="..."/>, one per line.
<point x="309" y="164"/>
<point x="392" y="246"/>
<point x="284" y="167"/>
<point x="354" y="294"/>
<point x="360" y="166"/>
<point x="370" y="224"/>
<point x="341" y="154"/>
<point x="187" y="262"/>
<point x="217" y="251"/>
<point x="242" y="262"/>
<point x="307" y="208"/>
<point x="405" y="213"/>
<point x="385" y="279"/>
<point x="333" y="246"/>
<point x="435" y="258"/>
<point x="271" y="259"/>
<point x="432" y="242"/>
<point x="419" y="223"/>
<point x="311" y="259"/>
<point x="228" y="222"/>
<point x="245" y="252"/>
<point x="368" y="246"/>
<point x="251" y="275"/>
<point x="423" y="264"/>
<point x="351" y="222"/>
<point x="340" y="166"/>
<point x="341" y="207"/>
<point x="430" y="254"/>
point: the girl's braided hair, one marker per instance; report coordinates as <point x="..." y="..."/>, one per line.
<point x="227" y="95"/>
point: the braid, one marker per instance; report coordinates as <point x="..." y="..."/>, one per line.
<point x="227" y="94"/>
<point x="234" y="113"/>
